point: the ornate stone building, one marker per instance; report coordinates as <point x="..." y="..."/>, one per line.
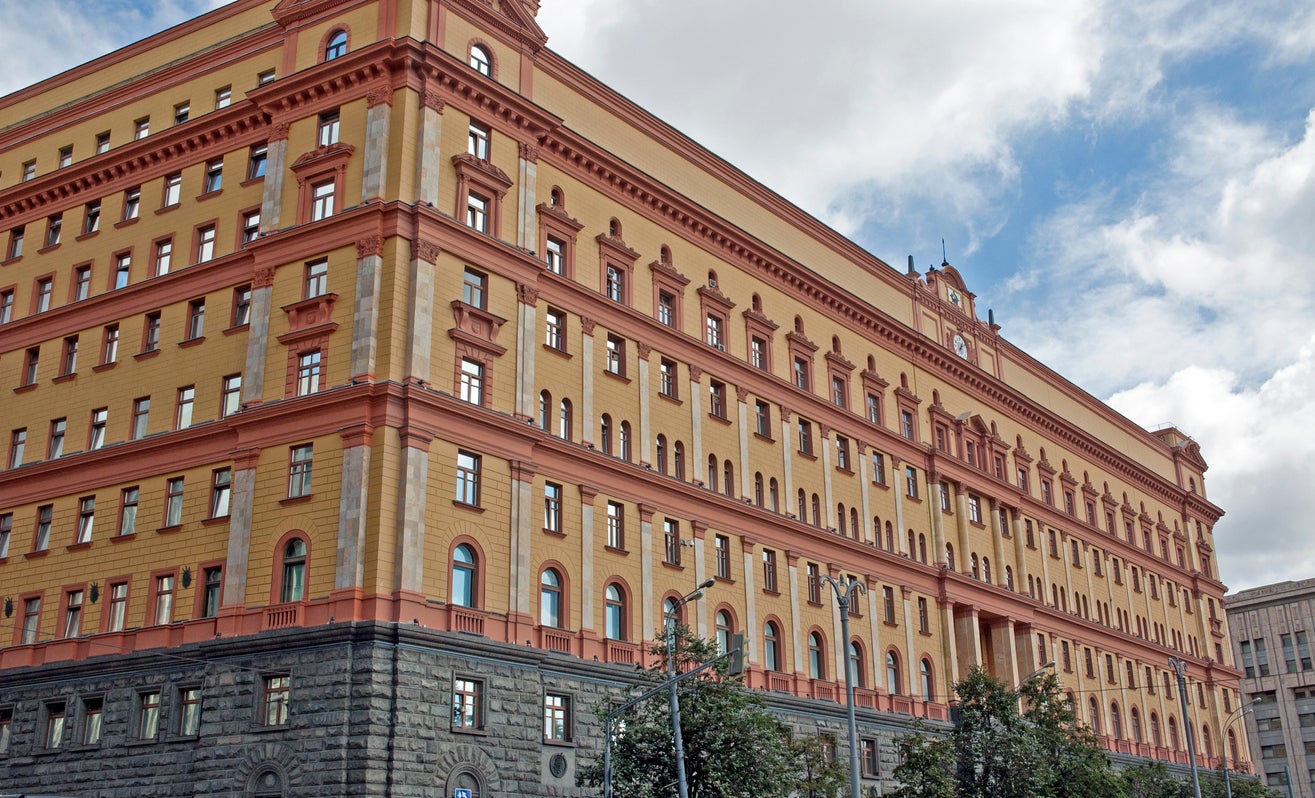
<point x="375" y="378"/>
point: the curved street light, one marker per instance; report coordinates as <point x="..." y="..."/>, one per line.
<point x="845" y="592"/>
<point x="669" y="622"/>
<point x="1232" y="718"/>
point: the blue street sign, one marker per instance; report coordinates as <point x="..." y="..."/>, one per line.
<point x="461" y="792"/>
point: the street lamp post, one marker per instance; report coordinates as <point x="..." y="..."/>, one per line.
<point x="845" y="592"/>
<point x="1180" y="670"/>
<point x="682" y="787"/>
<point x="1232" y="718"/>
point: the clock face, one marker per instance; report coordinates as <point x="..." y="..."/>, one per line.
<point x="960" y="346"/>
<point x="955" y="298"/>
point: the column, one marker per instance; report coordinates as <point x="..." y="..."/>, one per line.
<point x="824" y="432"/>
<point x="271" y="198"/>
<point x="424" y="256"/>
<point x="1020" y="553"/>
<point x="961" y="522"/>
<point x="239" y="529"/>
<point x="746" y="479"/>
<point x="934" y="492"/>
<point x="522" y="577"/>
<point x="901" y="533"/>
<point x="698" y="533"/>
<point x="353" y="507"/>
<point x="587" y="381"/>
<point x="699" y="471"/>
<point x="796" y="634"/>
<point x="949" y="635"/>
<point x="527" y="234"/>
<point x="253" y="373"/>
<point x="379" y="110"/>
<point x="997" y="542"/>
<point x="527" y="337"/>
<point x="839" y="651"/>
<point x="860" y="451"/>
<point x="414" y="478"/>
<point x="588" y="577"/>
<point x="752" y="626"/>
<point x="430" y="141"/>
<point x="647" y="603"/>
<point x="365" y="313"/>
<point x="645" y="406"/>
<point x="787" y="451"/>
<point x="878" y="654"/>
<point x="912" y="669"/>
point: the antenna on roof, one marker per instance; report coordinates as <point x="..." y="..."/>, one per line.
<point x="944" y="261"/>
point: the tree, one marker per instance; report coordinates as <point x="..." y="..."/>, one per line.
<point x="1077" y="766"/>
<point x="924" y="769"/>
<point x="997" y="753"/>
<point x="1212" y="786"/>
<point x="821" y="774"/>
<point x="1152" y="780"/>
<point x="734" y="747"/>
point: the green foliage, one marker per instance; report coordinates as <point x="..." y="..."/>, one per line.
<point x="997" y="753"/>
<point x="1213" y="786"/>
<point x="925" y="766"/>
<point x="822" y="772"/>
<point x="1152" y="780"/>
<point x="734" y="747"/>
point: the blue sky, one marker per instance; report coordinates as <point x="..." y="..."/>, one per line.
<point x="1129" y="185"/>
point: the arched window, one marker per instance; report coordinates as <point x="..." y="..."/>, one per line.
<point x="1135" y="718"/>
<point x="728" y="478"/>
<point x="893" y="673"/>
<point x="841" y="523"/>
<point x="545" y="410"/>
<point x="294" y="571"/>
<point x="662" y="453"/>
<point x="986" y="569"/>
<point x="1093" y="715"/>
<point x="1232" y="745"/>
<point x="856" y="667"/>
<point x="712" y="472"/>
<point x="606" y="436"/>
<point x="725" y="631"/>
<point x="678" y="460"/>
<point x="336" y="47"/>
<point x="922" y="549"/>
<point x="550" y="598"/>
<point x="614" y="613"/>
<point x="464" y="574"/>
<point x="976" y="567"/>
<point x="911" y="548"/>
<point x="1116" y="722"/>
<point x="671" y="608"/>
<point x="853" y="522"/>
<point x="467" y="778"/>
<point x="774" y="492"/>
<point x="758" y="488"/>
<point x="625" y="441"/>
<point x="876" y="532"/>
<point x="1156" y="740"/>
<point x="1173" y="733"/>
<point x="1009" y="577"/>
<point x="564" y="420"/>
<point x="266" y="783"/>
<point x="817" y="510"/>
<point x="480" y="59"/>
<point x="803" y="506"/>
<point x="816" y="656"/>
<point x="949" y="555"/>
<point x="928" y="684"/>
<point x="771" y="646"/>
<point x="1207" y="745"/>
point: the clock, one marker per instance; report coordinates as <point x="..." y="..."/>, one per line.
<point x="955" y="298"/>
<point x="960" y="346"/>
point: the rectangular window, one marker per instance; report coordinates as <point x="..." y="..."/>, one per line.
<point x="716" y="333"/>
<point x="189" y="711"/>
<point x="907" y="428"/>
<point x="974" y="508"/>
<point x="70" y="359"/>
<point x="29" y="170"/>
<point x="300" y="463"/>
<point x="183" y="410"/>
<point x="668" y="384"/>
<point x="93" y="713"/>
<point x="73" y="613"/>
<point x="615" y="284"/>
<point x="223" y="97"/>
<point x="173" y="502"/>
<point x="552" y="507"/>
<point x="250" y="226"/>
<point x="316" y="280"/>
<point x="151" y="332"/>
<point x="805" y="437"/>
<point x="241" y="306"/>
<point x="555" y="330"/>
<point x="924" y="617"/>
<point x="556" y="718"/>
<point x="205" y="243"/>
<point x="132" y="203"/>
<point x="181" y="112"/>
<point x="474" y="287"/>
<point x="91" y="218"/>
<point x="814" y="584"/>
<point x="839" y="392"/>
<point x="31" y="363"/>
<point x="164" y="255"/>
<point x="58" y="428"/>
<point x="879" y="468"/>
<point x="257" y="157"/>
<point x="308" y="373"/>
<point x="477" y="142"/>
<point x="477" y="212"/>
<point x="102" y="143"/>
<point x="769" y="570"/>
<point x="762" y="418"/>
<point x="6" y="530"/>
<point x="911" y="482"/>
<point x="31" y="623"/>
<point x="616" y="525"/>
<point x="888" y="604"/>
<point x="758" y="353"/>
<point x="65" y="156"/>
<point x="221" y="492"/>
<point x="274" y="700"/>
<point x="118" y="611"/>
<point x="468" y="472"/>
<point x="56" y="718"/>
<point x="213" y="582"/>
<point x="17" y="445"/>
<point x="842" y="456"/>
<point x="616" y="355"/>
<point x="722" y="544"/>
<point x="666" y="308"/>
<point x="267" y="76"/>
<point x="141" y="415"/>
<point x="173" y="190"/>
<point x="86" y="518"/>
<point x="322" y="200"/>
<point x="328" y="128"/>
<point x="230" y="395"/>
<point x="195" y="319"/>
<point x="467" y="704"/>
<point x="6" y="306"/>
<point x="164" y="599"/>
<point x="128" y="511"/>
<point x="81" y="283"/>
<point x="45" y="290"/>
<point x="671" y="540"/>
<point x="801" y="379"/>
<point x="555" y="255"/>
<point x="717" y="398"/>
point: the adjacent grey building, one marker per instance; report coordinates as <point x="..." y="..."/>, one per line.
<point x="1272" y="628"/>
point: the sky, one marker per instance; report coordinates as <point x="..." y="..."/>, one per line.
<point x="1129" y="185"/>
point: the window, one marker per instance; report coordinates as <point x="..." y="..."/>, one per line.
<point x="45" y="289"/>
<point x="230" y="395"/>
<point x="616" y="525"/>
<point x="6" y="530"/>
<point x="477" y="143"/>
<point x="472" y="381"/>
<point x="223" y="97"/>
<point x="839" y="391"/>
<point x="173" y="502"/>
<point x="73" y="613"/>
<point x="814" y="584"/>
<point x="667" y="379"/>
<point x="722" y="546"/>
<point x="879" y="468"/>
<point x="928" y="686"/>
<point x="480" y="60"/>
<point x="671" y="540"/>
<point x="614" y="613"/>
<point x="467" y="704"/>
<point x="31" y="620"/>
<point x="86" y="518"/>
<point x="128" y="512"/>
<point x="975" y="509"/>
<point x="221" y="492"/>
<point x="888" y="604"/>
<point x="132" y="203"/>
<point x="555" y="330"/>
<point x="6" y="306"/>
<point x="328" y="128"/>
<point x="148" y="715"/>
<point x="716" y="332"/>
<point x="164" y="599"/>
<point x="769" y="570"/>
<point x="772" y="654"/>
<point x="293" y="587"/>
<point x="55" y="720"/>
<point x="555" y="255"/>
<point x="924" y="620"/>
<point x="189" y="711"/>
<point x="800" y="371"/>
<point x="65" y="156"/>
<point x="29" y="170"/>
<point x="164" y="254"/>
<point x="141" y="413"/>
<point x="552" y="507"/>
<point x="267" y="76"/>
<point x="717" y="398"/>
<point x="183" y="410"/>
<point x="322" y="195"/>
<point x="336" y="46"/>
<point x="118" y="611"/>
<point x="257" y="158"/>
<point x="93" y="713"/>
<point x="762" y="416"/>
<point x="550" y="598"/>
<point x="805" y="438"/>
<point x="70" y="364"/>
<point x="616" y="355"/>
<point x="212" y="583"/>
<point x="464" y="572"/>
<point x="870" y="758"/>
<point x="666" y="308"/>
<point x="31" y="361"/>
<point x="308" y="373"/>
<point x="57" y="429"/>
<point x="468" y="468"/>
<point x="300" y="462"/>
<point x="557" y="718"/>
<point x="816" y="656"/>
<point x="893" y="673"/>
<point x="758" y="353"/>
<point x="477" y="212"/>
<point x="91" y="218"/>
<point x="842" y="456"/>
<point x="102" y="143"/>
<point x="911" y="482"/>
<point x="241" y="306"/>
<point x="182" y="111"/>
<point x="274" y="700"/>
<point x="81" y="283"/>
<point x="615" y="284"/>
<point x="151" y="332"/>
<point x="214" y="176"/>
<point x="173" y="190"/>
<point x="474" y="288"/>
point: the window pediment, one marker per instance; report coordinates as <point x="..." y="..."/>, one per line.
<point x="476" y="327"/>
<point x="309" y="318"/>
<point x="333" y="157"/>
<point x="481" y="173"/>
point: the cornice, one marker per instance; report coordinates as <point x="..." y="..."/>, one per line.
<point x="513" y="25"/>
<point x="290" y="13"/>
<point x="435" y="70"/>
